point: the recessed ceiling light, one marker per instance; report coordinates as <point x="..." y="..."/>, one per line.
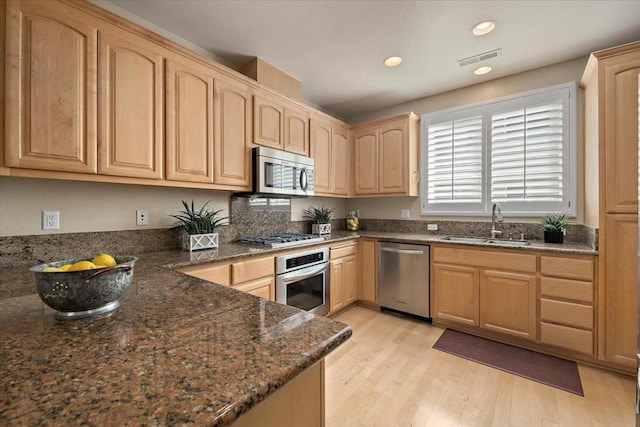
<point x="482" y="70"/>
<point x="483" y="28"/>
<point x="392" y="61"/>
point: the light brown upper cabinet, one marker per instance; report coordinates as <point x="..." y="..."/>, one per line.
<point x="330" y="149"/>
<point x="280" y="124"/>
<point x="267" y="121"/>
<point x="386" y="156"/>
<point x="232" y="129"/>
<point x="296" y="131"/>
<point x="51" y="87"/>
<point x="189" y="120"/>
<point x="131" y="99"/>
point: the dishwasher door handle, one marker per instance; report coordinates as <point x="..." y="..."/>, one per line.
<point x="402" y="251"/>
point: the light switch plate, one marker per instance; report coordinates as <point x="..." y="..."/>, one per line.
<point x="432" y="227"/>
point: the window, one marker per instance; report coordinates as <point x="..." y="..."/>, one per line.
<point x="517" y="151"/>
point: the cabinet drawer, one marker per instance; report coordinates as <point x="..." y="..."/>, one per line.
<point x="253" y="269"/>
<point x="566" y="289"/>
<point x="567" y="337"/>
<point x="219" y="274"/>
<point x="566" y="313"/>
<point x="569" y="268"/>
<point x="264" y="287"/>
<point x="486" y="258"/>
<point x="343" y="251"/>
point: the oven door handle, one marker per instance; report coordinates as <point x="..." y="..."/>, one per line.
<point x="288" y="278"/>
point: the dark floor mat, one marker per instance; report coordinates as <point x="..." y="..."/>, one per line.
<point x="542" y="368"/>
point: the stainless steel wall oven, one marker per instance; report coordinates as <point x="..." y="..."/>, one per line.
<point x="302" y="280"/>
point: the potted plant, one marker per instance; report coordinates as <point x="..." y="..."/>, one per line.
<point x="198" y="226"/>
<point x="554" y="226"/>
<point x="320" y="218"/>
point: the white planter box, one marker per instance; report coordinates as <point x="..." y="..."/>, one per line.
<point x="321" y="229"/>
<point x="196" y="242"/>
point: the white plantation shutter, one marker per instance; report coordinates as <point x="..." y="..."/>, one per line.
<point x="518" y="151"/>
<point x="454" y="165"/>
<point x="527" y="154"/>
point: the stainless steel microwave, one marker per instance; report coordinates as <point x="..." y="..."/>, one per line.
<point x="277" y="173"/>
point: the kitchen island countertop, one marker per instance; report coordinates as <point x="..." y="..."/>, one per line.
<point x="179" y="350"/>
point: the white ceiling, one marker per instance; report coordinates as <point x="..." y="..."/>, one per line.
<point x="336" y="48"/>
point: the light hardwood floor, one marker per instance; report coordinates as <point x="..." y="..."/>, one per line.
<point x="387" y="374"/>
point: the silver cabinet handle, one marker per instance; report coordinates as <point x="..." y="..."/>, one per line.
<point x="402" y="251"/>
<point x="288" y="278"/>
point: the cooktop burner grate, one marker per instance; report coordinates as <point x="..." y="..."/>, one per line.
<point x="282" y="239"/>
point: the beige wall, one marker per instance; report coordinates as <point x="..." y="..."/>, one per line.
<point x="389" y="208"/>
<point x="90" y="206"/>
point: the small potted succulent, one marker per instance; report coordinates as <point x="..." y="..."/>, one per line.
<point x="554" y="226"/>
<point x="198" y="226"/>
<point x="320" y="218"/>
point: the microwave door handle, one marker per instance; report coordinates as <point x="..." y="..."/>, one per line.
<point x="295" y="278"/>
<point x="304" y="182"/>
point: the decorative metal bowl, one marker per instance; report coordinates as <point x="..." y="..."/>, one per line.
<point x="85" y="293"/>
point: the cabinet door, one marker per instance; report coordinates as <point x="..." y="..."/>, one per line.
<point x="263" y="288"/>
<point x="51" y="53"/>
<point x="296" y="131"/>
<point x="131" y="119"/>
<point x="366" y="153"/>
<point x="368" y="283"/>
<point x="320" y="131"/>
<point x="341" y="160"/>
<point x="508" y="303"/>
<point x="336" y="296"/>
<point x="350" y="279"/>
<point x="393" y="168"/>
<point x="189" y="103"/>
<point x="455" y="294"/>
<point x="620" y="98"/>
<point x="267" y="122"/>
<point x="232" y="130"/>
<point x="620" y="262"/>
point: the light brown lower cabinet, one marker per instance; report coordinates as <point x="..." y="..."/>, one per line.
<point x="368" y="271"/>
<point x="455" y="294"/>
<point x="306" y="390"/>
<point x="255" y="276"/>
<point x="343" y="277"/>
<point x="491" y="290"/>
<point x="508" y="303"/>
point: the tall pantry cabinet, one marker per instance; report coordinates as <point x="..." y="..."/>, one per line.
<point x="610" y="82"/>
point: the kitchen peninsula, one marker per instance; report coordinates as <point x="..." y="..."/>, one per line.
<point x="179" y="350"/>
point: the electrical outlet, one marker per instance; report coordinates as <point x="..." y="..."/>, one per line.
<point x="142" y="217"/>
<point x="405" y="213"/>
<point x="432" y="227"/>
<point x="50" y="220"/>
<point x="357" y="212"/>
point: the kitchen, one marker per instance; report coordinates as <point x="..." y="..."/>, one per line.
<point x="105" y="208"/>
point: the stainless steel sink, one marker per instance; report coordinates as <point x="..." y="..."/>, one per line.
<point x="465" y="239"/>
<point x="462" y="239"/>
<point x="516" y="243"/>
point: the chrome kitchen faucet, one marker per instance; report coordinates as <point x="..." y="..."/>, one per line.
<point x="495" y="233"/>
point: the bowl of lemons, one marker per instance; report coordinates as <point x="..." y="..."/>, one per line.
<point x="84" y="287"/>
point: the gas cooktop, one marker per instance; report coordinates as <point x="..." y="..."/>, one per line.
<point x="281" y="240"/>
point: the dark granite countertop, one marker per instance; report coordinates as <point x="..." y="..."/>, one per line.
<point x="178" y="351"/>
<point x="534" y="245"/>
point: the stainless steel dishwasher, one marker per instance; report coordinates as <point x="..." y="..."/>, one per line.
<point x="403" y="278"/>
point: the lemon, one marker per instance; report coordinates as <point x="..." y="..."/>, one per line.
<point x="50" y="269"/>
<point x="64" y="267"/>
<point x="104" y="260"/>
<point x="82" y="265"/>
